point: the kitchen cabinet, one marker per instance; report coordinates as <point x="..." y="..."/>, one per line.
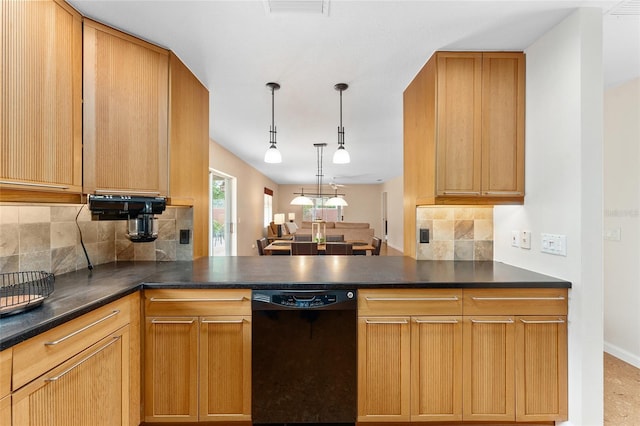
<point x="463" y="133"/>
<point x="189" y="149"/>
<point x="81" y="372"/>
<point x="6" y="358"/>
<point x="125" y="113"/>
<point x="476" y="355"/>
<point x="41" y="101"/>
<point x="409" y="355"/>
<point x="515" y="344"/>
<point x="197" y="355"/>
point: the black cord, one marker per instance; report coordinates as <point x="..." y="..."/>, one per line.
<point x="89" y="265"/>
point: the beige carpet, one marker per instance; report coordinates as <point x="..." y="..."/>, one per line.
<point x="621" y="393"/>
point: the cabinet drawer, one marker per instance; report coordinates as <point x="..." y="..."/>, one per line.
<point x="410" y="302"/>
<point x="193" y="302"/>
<point x="5" y="372"/>
<point x="529" y="301"/>
<point x="39" y="354"/>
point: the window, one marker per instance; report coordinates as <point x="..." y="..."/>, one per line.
<point x="268" y="206"/>
<point x="321" y="212"/>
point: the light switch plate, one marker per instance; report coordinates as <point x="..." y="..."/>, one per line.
<point x="525" y="240"/>
<point x="515" y="238"/>
<point x="554" y="244"/>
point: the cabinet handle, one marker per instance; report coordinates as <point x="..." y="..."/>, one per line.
<point x="409" y="299"/>
<point x="518" y="298"/>
<point x="86" y="327"/>
<point x="125" y="191"/>
<point x="172" y="321"/>
<point x="223" y="321"/>
<point x="386" y="322"/>
<point x="236" y="299"/>
<point x="509" y="321"/>
<point x="79" y="363"/>
<point x="38" y="185"/>
<point x="503" y="193"/>
<point x="461" y="192"/>
<point x="558" y="321"/>
<point x="436" y="322"/>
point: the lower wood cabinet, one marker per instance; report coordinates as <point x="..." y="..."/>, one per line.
<point x="197" y="366"/>
<point x="475" y="355"/>
<point x="84" y="372"/>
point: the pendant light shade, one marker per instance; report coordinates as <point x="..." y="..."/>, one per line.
<point x="336" y="202"/>
<point x="341" y="156"/>
<point x="301" y="200"/>
<point x="272" y="155"/>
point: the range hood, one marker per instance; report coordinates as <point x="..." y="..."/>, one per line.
<point x="137" y="210"/>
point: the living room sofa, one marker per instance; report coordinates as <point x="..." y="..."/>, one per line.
<point x="352" y="231"/>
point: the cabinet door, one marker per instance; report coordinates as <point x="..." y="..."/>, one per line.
<point x="225" y="368"/>
<point x="459" y="125"/>
<point x="489" y="376"/>
<point x="41" y="97"/>
<point x="541" y="366"/>
<point x="125" y="113"/>
<point x="171" y="369"/>
<point x="503" y="124"/>
<point x="5" y="411"/>
<point x="383" y="368"/>
<point x="89" y="389"/>
<point x="436" y="368"/>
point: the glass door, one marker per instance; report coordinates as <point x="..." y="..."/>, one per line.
<point x="222" y="214"/>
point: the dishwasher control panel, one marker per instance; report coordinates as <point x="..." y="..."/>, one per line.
<point x="303" y="299"/>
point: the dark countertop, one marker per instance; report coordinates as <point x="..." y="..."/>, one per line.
<point x="79" y="292"/>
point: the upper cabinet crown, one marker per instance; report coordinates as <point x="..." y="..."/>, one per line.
<point x="464" y="129"/>
<point x="40" y="100"/>
<point x="125" y="113"/>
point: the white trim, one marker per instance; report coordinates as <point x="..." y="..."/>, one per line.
<point x="622" y="354"/>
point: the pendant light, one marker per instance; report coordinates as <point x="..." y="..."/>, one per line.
<point x="336" y="201"/>
<point x="272" y="155"/>
<point x="302" y="200"/>
<point x="341" y="156"/>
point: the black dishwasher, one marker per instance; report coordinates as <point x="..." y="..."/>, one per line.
<point x="304" y="357"/>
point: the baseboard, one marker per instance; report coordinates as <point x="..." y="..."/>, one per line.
<point x="620" y="353"/>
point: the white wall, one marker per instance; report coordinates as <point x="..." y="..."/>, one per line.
<point x="250" y="196"/>
<point x="622" y="213"/>
<point x="564" y="191"/>
<point x="395" y="219"/>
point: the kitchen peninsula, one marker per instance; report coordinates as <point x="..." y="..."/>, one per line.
<point x="473" y="303"/>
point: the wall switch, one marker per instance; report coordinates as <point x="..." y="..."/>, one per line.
<point x="525" y="240"/>
<point x="554" y="244"/>
<point x="184" y="236"/>
<point x="515" y="239"/>
<point x="424" y="235"/>
<point x="612" y="234"/>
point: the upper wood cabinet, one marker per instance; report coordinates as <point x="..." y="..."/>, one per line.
<point x="189" y="149"/>
<point x="464" y="129"/>
<point x="41" y="100"/>
<point x="125" y="110"/>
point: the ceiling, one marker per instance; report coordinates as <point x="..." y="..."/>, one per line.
<point x="376" y="47"/>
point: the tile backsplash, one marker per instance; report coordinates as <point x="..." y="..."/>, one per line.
<point x="455" y="233"/>
<point x="47" y="238"/>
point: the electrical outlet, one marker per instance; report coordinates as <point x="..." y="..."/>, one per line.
<point x="554" y="244"/>
<point x="515" y="239"/>
<point x="612" y="234"/>
<point x="525" y="240"/>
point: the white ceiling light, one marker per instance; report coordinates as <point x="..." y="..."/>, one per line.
<point x="272" y="155"/>
<point x="314" y="7"/>
<point x="341" y="156"/>
<point x="302" y="200"/>
<point x="336" y="201"/>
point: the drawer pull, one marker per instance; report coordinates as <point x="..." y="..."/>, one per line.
<point x="461" y="192"/>
<point x="240" y="321"/>
<point x="436" y="322"/>
<point x="233" y="299"/>
<point x="517" y="298"/>
<point x="86" y="327"/>
<point x="509" y="321"/>
<point x="172" y="321"/>
<point x="410" y="299"/>
<point x="79" y="363"/>
<point x="558" y="321"/>
<point x="386" y="322"/>
<point x="37" y="185"/>
<point x="503" y="193"/>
